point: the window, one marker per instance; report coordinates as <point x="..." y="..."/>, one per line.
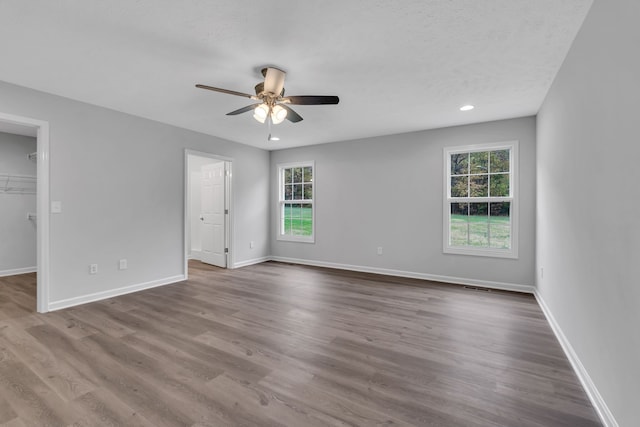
<point x="296" y="212"/>
<point x="480" y="208"/>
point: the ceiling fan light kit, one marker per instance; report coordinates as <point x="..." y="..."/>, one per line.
<point x="272" y="106"/>
<point x="278" y="114"/>
<point x="261" y="112"/>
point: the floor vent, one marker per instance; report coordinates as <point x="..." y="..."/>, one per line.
<point x="474" y="288"/>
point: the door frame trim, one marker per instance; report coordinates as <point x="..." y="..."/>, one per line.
<point x="42" y="205"/>
<point x="229" y="223"/>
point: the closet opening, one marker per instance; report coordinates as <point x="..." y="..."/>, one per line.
<point x="24" y="214"/>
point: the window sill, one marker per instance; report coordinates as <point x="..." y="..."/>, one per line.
<point x="297" y="239"/>
<point x="489" y="253"/>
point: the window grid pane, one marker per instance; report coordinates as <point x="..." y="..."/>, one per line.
<point x="499" y="186"/>
<point x="297" y="175"/>
<point x="499" y="161"/>
<point x="479" y="186"/>
<point x="459" y="186"/>
<point x="460" y="164"/>
<point x="307" y="174"/>
<point x="479" y="162"/>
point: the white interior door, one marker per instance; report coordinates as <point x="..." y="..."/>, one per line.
<point x="213" y="214"/>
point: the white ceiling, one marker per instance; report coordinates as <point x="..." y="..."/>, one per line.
<point x="398" y="66"/>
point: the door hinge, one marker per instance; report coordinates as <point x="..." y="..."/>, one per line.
<point x="226" y="211"/>
<point x="226" y="250"/>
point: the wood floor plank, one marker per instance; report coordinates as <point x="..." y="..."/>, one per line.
<point x="66" y="322"/>
<point x="30" y="398"/>
<point x="154" y="346"/>
<point x="189" y="395"/>
<point x="57" y="373"/>
<point x="328" y="406"/>
<point x="100" y="323"/>
<point x="266" y="405"/>
<point x="101" y="407"/>
<point x="16" y="422"/>
<point x="153" y="404"/>
<point x="275" y="344"/>
<point x="6" y="412"/>
<point x="173" y="333"/>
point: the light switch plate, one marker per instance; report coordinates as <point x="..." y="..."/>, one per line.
<point x="56" y="207"/>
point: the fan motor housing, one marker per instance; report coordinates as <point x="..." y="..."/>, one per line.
<point x="259" y="88"/>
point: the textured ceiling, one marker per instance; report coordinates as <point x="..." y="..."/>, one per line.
<point x="398" y="66"/>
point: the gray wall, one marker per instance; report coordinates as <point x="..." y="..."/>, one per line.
<point x="388" y="191"/>
<point x="588" y="234"/>
<point x="17" y="234"/>
<point x="121" y="182"/>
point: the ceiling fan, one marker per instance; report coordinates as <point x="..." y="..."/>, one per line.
<point x="273" y="106"/>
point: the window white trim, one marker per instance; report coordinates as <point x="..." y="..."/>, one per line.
<point x="281" y="201"/>
<point x="512" y="198"/>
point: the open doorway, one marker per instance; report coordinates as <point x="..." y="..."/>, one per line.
<point x="17" y="202"/>
<point x="22" y="182"/>
<point x="208" y="211"/>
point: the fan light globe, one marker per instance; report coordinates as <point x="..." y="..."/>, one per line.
<point x="278" y="114"/>
<point x="260" y="112"/>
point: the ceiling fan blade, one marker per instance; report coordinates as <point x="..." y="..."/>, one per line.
<point x="227" y="91"/>
<point x="292" y="116"/>
<point x="274" y="80"/>
<point x="243" y="110"/>
<point x="311" y="100"/>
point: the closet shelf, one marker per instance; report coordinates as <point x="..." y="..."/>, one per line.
<point x="17" y="184"/>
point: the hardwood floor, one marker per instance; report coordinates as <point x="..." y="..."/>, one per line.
<point x="285" y="345"/>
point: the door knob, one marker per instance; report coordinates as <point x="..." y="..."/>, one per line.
<point x="201" y="218"/>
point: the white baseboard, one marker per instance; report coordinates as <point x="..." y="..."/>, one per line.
<point x="66" y="303"/>
<point x="16" y="271"/>
<point x="594" y="395"/>
<point x="413" y="275"/>
<point x="251" y="261"/>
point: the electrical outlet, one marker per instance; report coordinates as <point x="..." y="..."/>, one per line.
<point x="93" y="269"/>
<point x="379" y="250"/>
<point x="122" y="264"/>
<point x="251" y="244"/>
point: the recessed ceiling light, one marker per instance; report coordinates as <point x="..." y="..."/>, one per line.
<point x="467" y="108"/>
